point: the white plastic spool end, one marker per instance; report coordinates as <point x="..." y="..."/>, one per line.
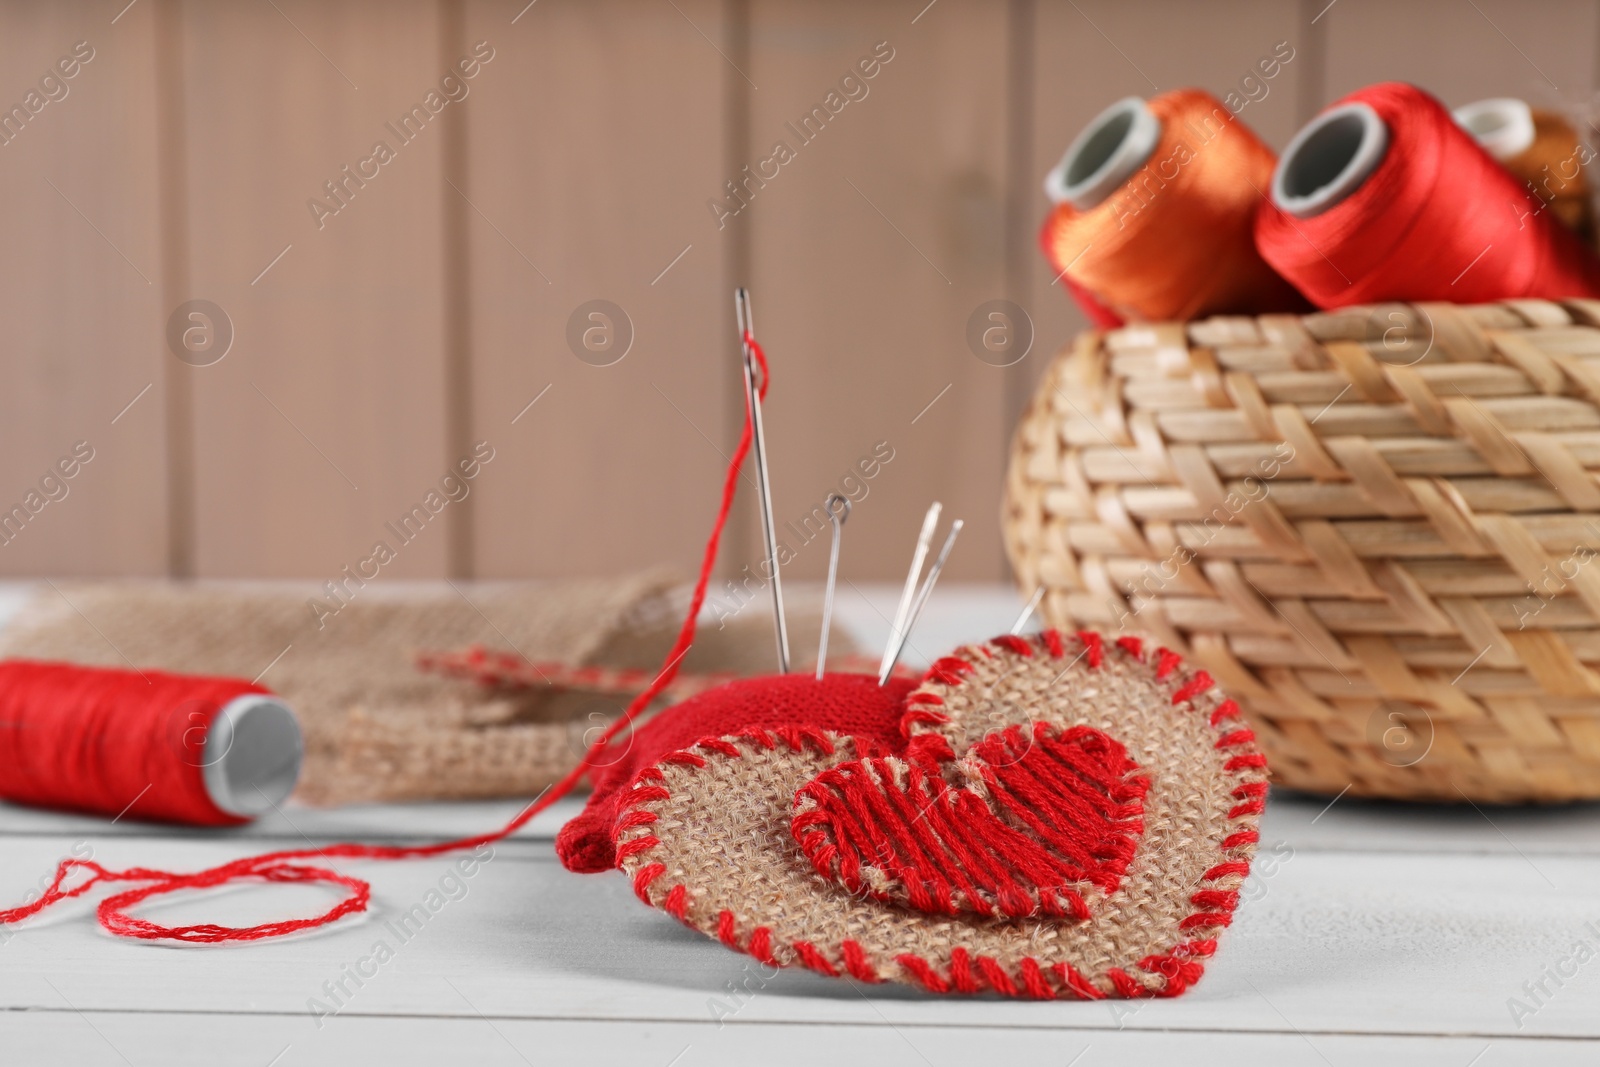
<point x="1502" y="125"/>
<point x="1331" y="157"/>
<point x="1104" y="155"/>
<point x="252" y="755"/>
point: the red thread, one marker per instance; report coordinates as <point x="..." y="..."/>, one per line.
<point x="1016" y="644"/>
<point x="114" y="742"/>
<point x="1093" y="646"/>
<point x="1199" y="683"/>
<point x="761" y="946"/>
<point x="1059" y="810"/>
<point x="1439" y="219"/>
<point x="676" y="902"/>
<point x="811" y="958"/>
<point x="856" y="962"/>
<point x="923" y="972"/>
<point x="646" y="875"/>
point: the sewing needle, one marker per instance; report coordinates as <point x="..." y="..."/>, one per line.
<point x="838" y="509"/>
<point x="746" y="322"/>
<point x="929" y="522"/>
<point x="1027" y="612"/>
<point x="922" y="598"/>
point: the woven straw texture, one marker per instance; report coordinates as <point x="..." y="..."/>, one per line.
<point x="376" y="727"/>
<point x="708" y="836"/>
<point x="1375" y="527"/>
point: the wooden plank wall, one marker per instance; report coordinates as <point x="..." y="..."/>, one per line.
<point x="587" y="158"/>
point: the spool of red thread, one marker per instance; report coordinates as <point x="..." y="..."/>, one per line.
<point x="1384" y="197"/>
<point x="144" y="744"/>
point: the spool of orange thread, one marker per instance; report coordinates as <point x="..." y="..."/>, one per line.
<point x="1155" y="204"/>
<point x="1542" y="150"/>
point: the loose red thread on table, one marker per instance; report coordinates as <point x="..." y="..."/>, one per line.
<point x="286" y="865"/>
<point x="1438" y="219"/>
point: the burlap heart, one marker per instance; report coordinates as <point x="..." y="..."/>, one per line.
<point x="706" y="833"/>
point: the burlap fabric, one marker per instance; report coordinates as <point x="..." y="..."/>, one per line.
<point x="376" y="727"/>
<point x="708" y="838"/>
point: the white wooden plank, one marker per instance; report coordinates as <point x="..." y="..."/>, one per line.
<point x="1325" y="943"/>
<point x="181" y="1039"/>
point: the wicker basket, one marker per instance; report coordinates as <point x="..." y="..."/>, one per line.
<point x="1377" y="528"/>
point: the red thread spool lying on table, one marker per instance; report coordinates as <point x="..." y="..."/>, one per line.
<point x="144" y="744"/>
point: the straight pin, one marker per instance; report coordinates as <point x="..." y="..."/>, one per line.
<point x="922" y="598"/>
<point x="746" y="322"/>
<point x="838" y="509"/>
<point x="930" y="522"/>
<point x="1027" y="612"/>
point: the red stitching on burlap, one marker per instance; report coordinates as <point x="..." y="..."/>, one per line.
<point x="1014" y="643"/>
<point x="1228" y="709"/>
<point x="1177" y="970"/>
<point x="676" y="902"/>
<point x="1167" y="661"/>
<point x="644" y="876"/>
<point x="1093" y="647"/>
<point x="1222" y="870"/>
<point x="916" y="827"/>
<point x="720" y="747"/>
<point x="857" y="962"/>
<point x="636" y="817"/>
<point x="961" y="975"/>
<point x="924" y="973"/>
<point x="1197" y="684"/>
<point x="639" y="844"/>
<point x="1216" y="899"/>
<point x="1053" y="642"/>
<point x="1033" y="980"/>
<point x="642" y="793"/>
<point x="1237" y="737"/>
<point x="948" y="671"/>
<point x="996" y="976"/>
<point x="816" y="961"/>
<point x="1074" y="980"/>
<point x="761" y="946"/>
<point x="1126" y="985"/>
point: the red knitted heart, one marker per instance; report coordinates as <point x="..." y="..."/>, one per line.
<point x="1044" y="816"/>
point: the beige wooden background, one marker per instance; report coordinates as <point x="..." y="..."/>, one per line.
<point x="370" y="354"/>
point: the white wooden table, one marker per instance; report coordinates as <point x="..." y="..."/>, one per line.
<point x="1370" y="933"/>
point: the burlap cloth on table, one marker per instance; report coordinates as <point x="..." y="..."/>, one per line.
<point x="376" y="727"/>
